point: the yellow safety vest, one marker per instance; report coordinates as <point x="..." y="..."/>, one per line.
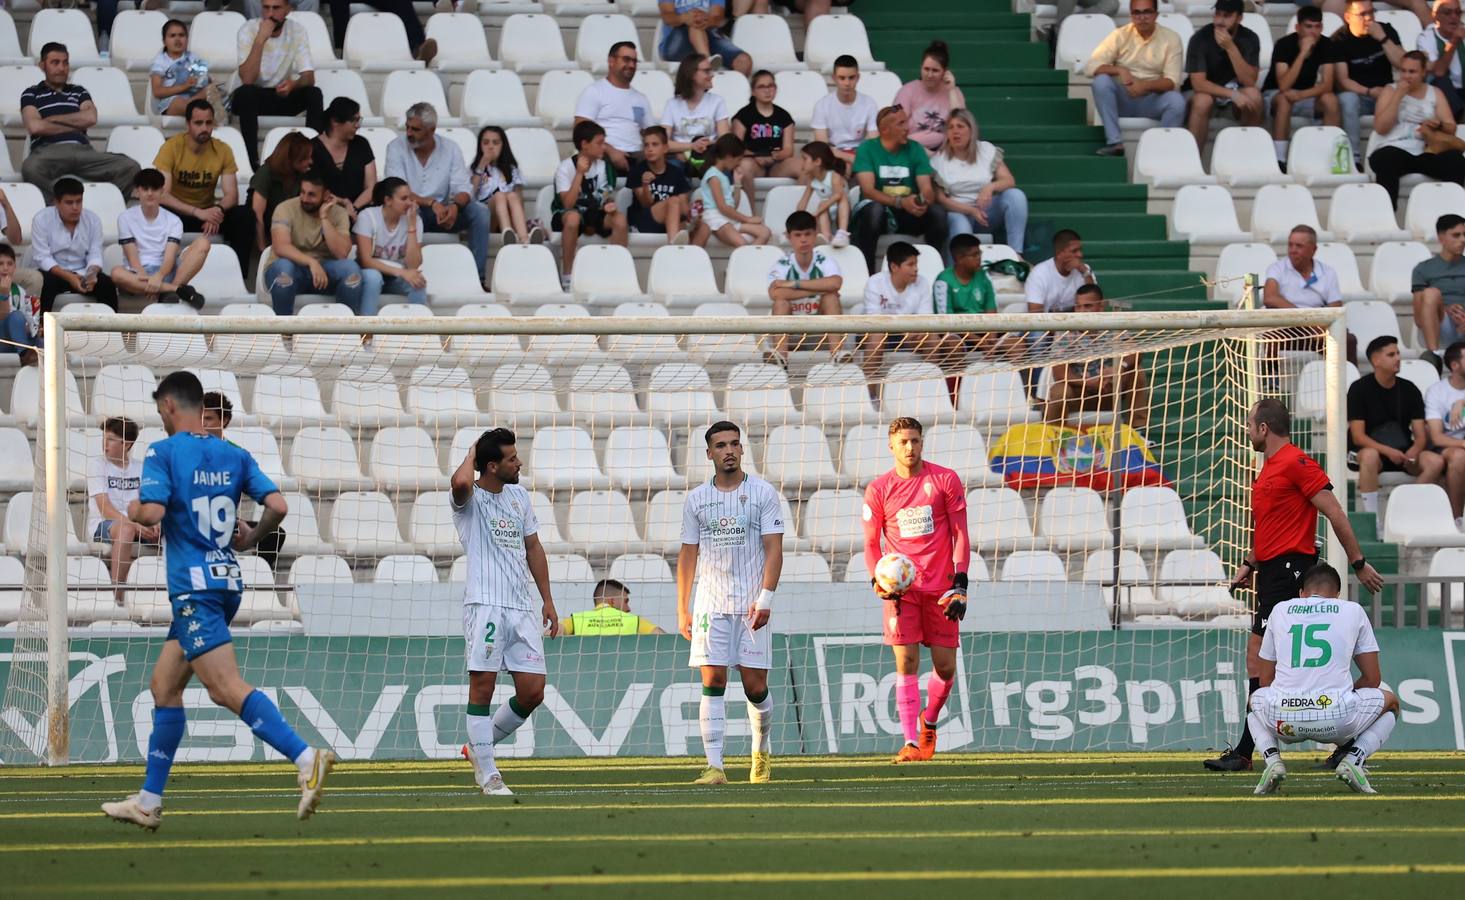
<point x="605" y="620"/>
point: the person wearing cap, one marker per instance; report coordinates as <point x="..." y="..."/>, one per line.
<point x="611" y="615"/>
<point x="1137" y="72"/>
<point x="1223" y="61"/>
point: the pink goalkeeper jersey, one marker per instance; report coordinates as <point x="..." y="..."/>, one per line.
<point x="923" y="517"/>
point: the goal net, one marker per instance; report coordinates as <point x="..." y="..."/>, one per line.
<point x="1104" y="458"/>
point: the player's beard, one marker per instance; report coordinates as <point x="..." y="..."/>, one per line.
<point x="731" y="466"/>
<point x="509" y="478"/>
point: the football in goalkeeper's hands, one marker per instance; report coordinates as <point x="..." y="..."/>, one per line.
<point x="895" y="573"/>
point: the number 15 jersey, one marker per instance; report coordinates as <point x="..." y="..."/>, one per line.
<point x="199" y="479"/>
<point x="1313" y="641"/>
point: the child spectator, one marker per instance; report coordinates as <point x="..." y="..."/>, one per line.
<point x="899" y="290"/>
<point x="498" y="183"/>
<point x="177" y="75"/>
<point x="389" y="246"/>
<point x="114" y="480"/>
<point x="150" y="237"/>
<point x="715" y="204"/>
<point x="22" y="314"/>
<point x="825" y="186"/>
<point x="584" y="196"/>
<point x="660" y="188"/>
<point x="768" y="131"/>
<point x="805" y="282"/>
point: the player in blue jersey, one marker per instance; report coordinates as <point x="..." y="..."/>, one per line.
<point x="191" y="485"/>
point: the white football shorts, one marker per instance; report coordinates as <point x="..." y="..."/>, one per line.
<point x="1341" y="720"/>
<point x="499" y="639"/>
<point x="725" y="639"/>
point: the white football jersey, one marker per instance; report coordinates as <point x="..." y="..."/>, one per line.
<point x="1313" y="641"/>
<point x="492" y="528"/>
<point x="728" y="529"/>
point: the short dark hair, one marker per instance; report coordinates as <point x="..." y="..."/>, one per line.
<point x="1273" y="413"/>
<point x="1063" y="238"/>
<point x="846" y="61"/>
<point x="66" y="186"/>
<point x="7" y="251"/>
<point x="184" y="387"/>
<point x="800" y="220"/>
<point x="618" y="46"/>
<point x="1452" y="352"/>
<point x="1417" y="56"/>
<point x="656" y="131"/>
<point x="718" y="428"/>
<point x="963" y="244"/>
<point x="900" y="252"/>
<point x="1089" y="289"/>
<point x="148" y="179"/>
<point x="1309" y="14"/>
<point x="490" y="447"/>
<point x="196" y="104"/>
<point x="219" y="402"/>
<point x="1322" y="576"/>
<point x="906" y="423"/>
<point x="727" y="146"/>
<point x="1379" y="343"/>
<point x="121" y="426"/>
<point x="609" y="584"/>
<point x="52" y="47"/>
<point x="584" y="132"/>
<point x="313" y="176"/>
<point x="1447" y="221"/>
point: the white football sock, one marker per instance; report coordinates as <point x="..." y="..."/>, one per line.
<point x="1261" y="735"/>
<point x="148" y="800"/>
<point x="713" y="719"/>
<point x="507" y="721"/>
<point x="1281" y="150"/>
<point x="305" y="761"/>
<point x="480" y="741"/>
<point x="1373" y="737"/>
<point x="760" y="716"/>
<point x="1370" y="501"/>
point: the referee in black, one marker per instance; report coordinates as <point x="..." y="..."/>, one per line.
<point x="1289" y="492"/>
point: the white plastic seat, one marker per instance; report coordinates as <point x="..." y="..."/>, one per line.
<point x="405" y="87"/>
<point x="486" y="349"/>
<point x="452" y="277"/>
<point x="430" y="525"/>
<point x="1205" y="213"/>
<point x="990" y="396"/>
<point x="214" y="36"/>
<point x="864" y="454"/>
<point x="1340" y="256"/>
<point x="852" y="265"/>
<point x="1079" y="38"/>
<point x="525" y="393"/>
<point x="1368" y="319"/>
<point x="728" y="349"/>
<point x="1235" y="262"/>
<point x="17" y="470"/>
<point x="600" y="523"/>
<point x="1033" y="565"/>
<point x="639" y="567"/>
<point x="597" y="33"/>
<point x="830" y="520"/>
<point x="732" y="86"/>
<point x="82" y="446"/>
<point x="758" y="395"/>
<point x="530" y="42"/>
<point x="106" y="201"/>
<point x="1134" y="591"/>
<point x="1427" y="202"/>
<point x="680" y="276"/>
<point x="262" y="445"/>
<point x="563" y="457"/>
<point x="496" y="97"/>
<point x="1153" y="518"/>
<point x="747" y="273"/>
<point x="18" y="526"/>
<point x="324" y="458"/>
<point x="26" y="200"/>
<point x="664" y="521"/>
<point x="70" y="27"/>
<point x="797" y="458"/>
<point x="1390" y="276"/>
<point x="1310" y="157"/>
<point x="302" y="535"/>
<point x="798" y="91"/>
<point x="1179" y="23"/>
<point x="25" y="398"/>
<point x="1362" y="213"/>
<point x="1418" y="515"/>
<point x="281" y="400"/>
<point x="1195" y="599"/>
<point x="404" y="457"/>
<point x="10" y="52"/>
<point x="526" y="273"/>
<point x="1278" y="208"/>
<point x="605" y="271"/>
<point x="602" y="394"/>
<point x="638" y="459"/>
<point x="1263" y="31"/>
<point x="147" y="594"/>
<point x="1074" y="520"/>
<point x="918" y="389"/>
<point x="125" y="390"/>
<point x="367" y="397"/>
<point x="220" y="280"/>
<point x="1240" y="158"/>
<point x="1405" y="22"/>
<point x="404" y="568"/>
<point x="439" y="395"/>
<point x="679" y="393"/>
<point x="562" y="344"/>
<point x="962" y="449"/>
<point x="111" y="94"/>
<point x="809" y="568"/>
<point x="1309" y="399"/>
<point x="1419" y="372"/>
<point x="363" y="523"/>
<point x="320" y="569"/>
<point x="135" y="39"/>
<point x="658" y="88"/>
<point x="347" y="83"/>
<point x="89" y="595"/>
<point x="1166" y="157"/>
<point x="1449" y="562"/>
<point x="999" y="521"/>
<point x="462" y="43"/>
<point x="643" y="348"/>
<point x="13" y="81"/>
<point x="778" y="204"/>
<point x="835" y="394"/>
<point x="377" y="42"/>
<point x="768" y="41"/>
<point x="570" y="568"/>
<point x="830" y="36"/>
<point x="318" y="38"/>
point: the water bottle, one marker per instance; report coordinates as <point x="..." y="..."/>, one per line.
<point x="1342" y="157"/>
<point x="199" y="68"/>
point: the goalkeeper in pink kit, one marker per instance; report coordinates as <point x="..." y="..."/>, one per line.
<point x="919" y="508"/>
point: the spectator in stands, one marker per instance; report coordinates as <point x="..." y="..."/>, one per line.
<point x="929" y="100"/>
<point x="1365" y="54"/>
<point x="311" y="238"/>
<point x="1438" y="284"/>
<point x="113" y="480"/>
<point x="975" y="187"/>
<point x="29" y="280"/>
<point x="1439" y="42"/>
<point x="1053" y="284"/>
<point x="389" y="246"/>
<point x="276" y="76"/>
<point x="1095" y="385"/>
<point x="1067" y="8"/>
<point x="201" y="182"/>
<point x="715" y="205"/>
<point x="57" y="114"/>
<point x="22" y="325"/>
<point x="1223" y="61"/>
<point x="695" y="26"/>
<point x="844" y="118"/>
<point x="584" y="196"/>
<point x="1444" y="419"/>
<point x="1415" y="131"/>
<point x="611" y="615"/>
<point x="768" y="132"/>
<point x="177" y="76"/>
<point x="1137" y="72"/>
<point x="277" y="181"/>
<point x="963" y="288"/>
<point x="1300" y="82"/>
<point x="151" y="238"/>
<point x="1301" y="281"/>
<point x="898" y="290"/>
<point x="694" y="117"/>
<point x="343" y="157"/>
<point x="827" y="189"/>
<point x="896" y="188"/>
<point x="499" y="185"/>
<point x="662" y="194"/>
<point x="617" y="107"/>
<point x="254" y="9"/>
<point x="440" y="183"/>
<point x="66" y="245"/>
<point x="805" y="282"/>
<point x="1386" y="430"/>
<point x="421" y="46"/>
<point x="218" y="412"/>
<point x="809" y="9"/>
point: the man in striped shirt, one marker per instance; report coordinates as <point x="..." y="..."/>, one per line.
<point x="732" y="545"/>
<point x="57" y="115"/>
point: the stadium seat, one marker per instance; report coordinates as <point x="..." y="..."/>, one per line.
<point x="1179" y="23"/>
<point x="70" y="27"/>
<point x="1393" y="268"/>
<point x="605" y="274"/>
<point x="1237" y="261"/>
<point x="835" y="394"/>
<point x="758" y="396"/>
<point x="405" y="87"/>
<point x="747" y="273"/>
<point x="563" y="457"/>
<point x="1340" y="257"/>
<point x="570" y="568"/>
<point x="1244" y="157"/>
<point x="527" y="275"/>
<point x="377" y="42"/>
<point x="13" y="81"/>
<point x="532" y="43"/>
<point x="1310" y="157"/>
<point x="452" y="276"/>
<point x="12" y="55"/>
<point x="1405" y="22"/>
<point x="770" y="44"/>
<point x="1153" y="518"/>
<point x="249" y="351"/>
<point x="999" y="521"/>
<point x="17" y="466"/>
<point x="481" y="350"/>
<point x="1362" y="214"/>
<point x="732" y="86"/>
<point x="830" y="36"/>
<point x="658" y="88"/>
<point x="322" y="49"/>
<point x="525" y="393"/>
<point x="596" y="34"/>
<point x="462" y="43"/>
<point x="103" y="198"/>
<point x="1074" y="520"/>
<point x="993" y="396"/>
<point x="664" y="521"/>
<point x="157" y="348"/>
<point x="918" y="389"/>
<point x="1167" y="158"/>
<point x="262" y="446"/>
<point x="1033" y="565"/>
<point x="797" y="459"/>
<point x="403" y="350"/>
<point x="1278" y="208"/>
<point x="554" y="102"/>
<point x="880" y="87"/>
<point x="324" y="458"/>
<point x="600" y="524"/>
<point x="1419" y="372"/>
<point x="864" y="454"/>
<point x="1201" y="565"/>
<point x="346" y="83"/>
<point x="363" y="523"/>
<point x="82" y="446"/>
<point x="852" y="265"/>
<point x="798" y="91"/>
<point x="562" y="344"/>
<point x="1080" y="36"/>
<point x="404" y="568"/>
<point x="25" y="398"/>
<point x="441" y="396"/>
<point x="828" y="519"/>
<point x="214" y="36"/>
<point x="367" y="398"/>
<point x="680" y="276"/>
<point x="319" y="569"/>
<point x="89" y="595"/>
<point x="125" y="390"/>
<point x="727" y="348"/>
<point x="495" y="97"/>
<point x="430" y="525"/>
<point x="778" y="204"/>
<point x="1427" y="202"/>
<point x="630" y="568"/>
<point x="961" y="448"/>
<point x="26" y="200"/>
<point x="1258" y="24"/>
<point x="643" y="348"/>
<point x="1205" y="213"/>
<point x="147" y="594"/>
<point x="18" y="531"/>
<point x="1309" y="397"/>
<point x="1134" y="592"/>
<point x="303" y="536"/>
<point x="681" y="393"/>
<point x="809" y="568"/>
<point x="405" y="458"/>
<point x="638" y="459"/>
<point x="1446" y="563"/>
<point x="273" y="137"/>
<point x="220" y="280"/>
<point x="601" y="394"/>
<point x="111" y="94"/>
<point x="1368" y="319"/>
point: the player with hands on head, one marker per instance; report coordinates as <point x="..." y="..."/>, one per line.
<point x="919" y="509"/>
<point x="503" y="627"/>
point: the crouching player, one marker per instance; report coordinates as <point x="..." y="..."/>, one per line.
<point x="919" y="508"/>
<point x="1308" y="692"/>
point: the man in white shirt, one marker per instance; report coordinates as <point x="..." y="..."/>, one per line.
<point x="438" y="177"/>
<point x="1301" y="281"/>
<point x="617" y="107"/>
<point x="1440" y="42"/>
<point x="844" y="117"/>
<point x="898" y="291"/>
<point x="114" y="480"/>
<point x="151" y="238"/>
<point x="1053" y="283"/>
<point x="1444" y="418"/>
<point x="805" y="282"/>
<point x="276" y="76"/>
<point x="66" y="245"/>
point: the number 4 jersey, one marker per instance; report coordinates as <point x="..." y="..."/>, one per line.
<point x="199" y="480"/>
<point x="1313" y="641"/>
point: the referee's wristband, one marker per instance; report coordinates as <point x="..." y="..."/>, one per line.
<point x="765" y="600"/>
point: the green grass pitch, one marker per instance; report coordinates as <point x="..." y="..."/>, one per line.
<point x="1033" y="825"/>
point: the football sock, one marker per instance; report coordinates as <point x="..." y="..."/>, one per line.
<point x="1370" y="501"/>
<point x="1261" y="734"/>
<point x="1281" y="150"/>
<point x="1373" y="737"/>
<point x="481" y="738"/>
<point x="908" y="704"/>
<point x="168" y="726"/>
<point x="263" y="718"/>
<point x="508" y="719"/>
<point x="1245" y="745"/>
<point x="760" y="715"/>
<point x="937" y="690"/>
<point x="713" y="719"/>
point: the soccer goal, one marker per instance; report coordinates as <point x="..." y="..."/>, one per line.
<point x="1104" y="457"/>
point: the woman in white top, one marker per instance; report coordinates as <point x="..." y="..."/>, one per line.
<point x="1410" y="118"/>
<point x="694" y="117"/>
<point x="975" y="186"/>
<point x="389" y="246"/>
